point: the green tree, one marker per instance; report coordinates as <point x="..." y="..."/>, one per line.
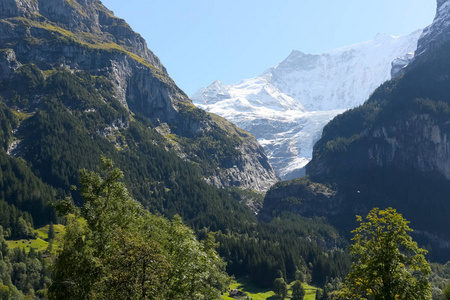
<point x="319" y="294"/>
<point x="76" y="269"/>
<point x="298" y="292"/>
<point x="446" y="293"/>
<point x="299" y="276"/>
<point x="5" y="293"/>
<point x="303" y="274"/>
<point x="196" y="270"/>
<point x="387" y="263"/>
<point x="136" y="270"/>
<point x="115" y="249"/>
<point x="51" y="232"/>
<point x="280" y="288"/>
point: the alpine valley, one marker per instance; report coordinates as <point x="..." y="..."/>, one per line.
<point x="114" y="185"/>
<point x="80" y="90"/>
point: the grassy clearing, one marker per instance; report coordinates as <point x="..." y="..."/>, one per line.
<point x="230" y="127"/>
<point x="37" y="244"/>
<point x="256" y="293"/>
<point x="253" y="292"/>
<point x="41" y="241"/>
<point x="310" y="292"/>
<point x="43" y="231"/>
<point x="21" y="115"/>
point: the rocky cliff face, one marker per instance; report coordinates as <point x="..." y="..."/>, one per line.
<point x="432" y="38"/>
<point x="246" y="171"/>
<point x="422" y="142"/>
<point x="84" y="35"/>
<point x="438" y="33"/>
<point x="416" y="140"/>
<point x="85" y="19"/>
<point x="304" y="197"/>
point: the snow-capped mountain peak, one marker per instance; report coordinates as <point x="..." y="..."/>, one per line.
<point x="343" y="77"/>
<point x="215" y="92"/>
<point x="287" y="106"/>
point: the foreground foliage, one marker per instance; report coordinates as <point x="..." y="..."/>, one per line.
<point x="115" y="249"/>
<point x="440" y="279"/>
<point x="387" y="264"/>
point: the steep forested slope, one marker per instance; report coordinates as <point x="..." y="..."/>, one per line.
<point x="392" y="151"/>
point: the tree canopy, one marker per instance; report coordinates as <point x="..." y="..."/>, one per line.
<point x="298" y="292"/>
<point x="115" y="249"/>
<point x="280" y="288"/>
<point x="387" y="263"/>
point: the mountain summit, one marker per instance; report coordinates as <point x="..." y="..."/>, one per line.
<point x="287" y="106"/>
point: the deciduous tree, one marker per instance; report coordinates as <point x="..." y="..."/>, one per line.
<point x="115" y="249"/>
<point x="446" y="293"/>
<point x="298" y="292"/>
<point x="280" y="288"/>
<point x="387" y="263"/>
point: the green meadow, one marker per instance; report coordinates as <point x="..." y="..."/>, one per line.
<point x="41" y="242"/>
<point x="256" y="293"/>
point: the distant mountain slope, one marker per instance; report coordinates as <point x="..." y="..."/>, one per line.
<point x="287" y="106"/>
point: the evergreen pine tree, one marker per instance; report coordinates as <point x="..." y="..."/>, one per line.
<point x="51" y="232"/>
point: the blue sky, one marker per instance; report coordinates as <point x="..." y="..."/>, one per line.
<point x="200" y="41"/>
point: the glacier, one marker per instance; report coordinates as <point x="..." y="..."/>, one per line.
<point x="287" y="106"/>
